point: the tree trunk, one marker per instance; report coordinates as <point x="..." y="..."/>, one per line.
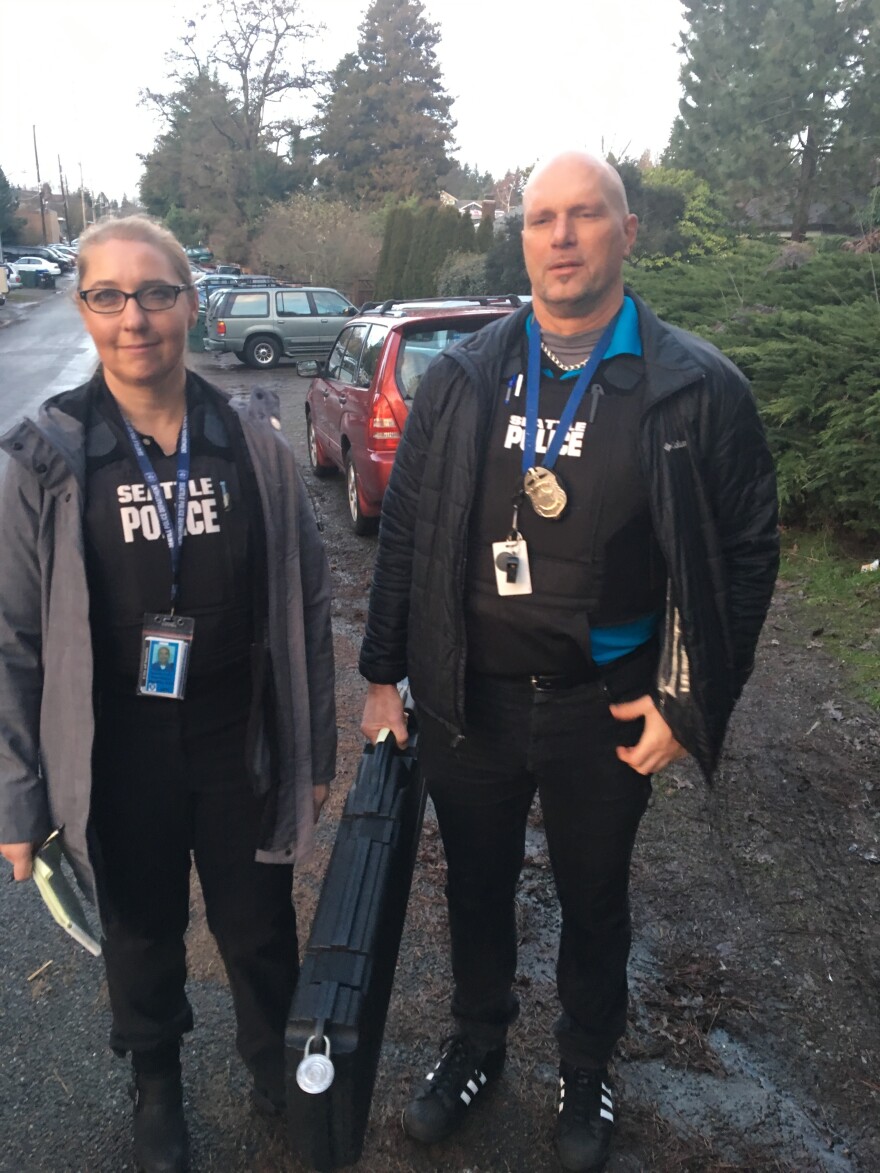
<point x="806" y="184"/>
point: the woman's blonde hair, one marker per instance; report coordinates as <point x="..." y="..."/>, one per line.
<point x="140" y="228"/>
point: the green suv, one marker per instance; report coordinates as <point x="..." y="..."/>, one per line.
<point x="260" y="327"/>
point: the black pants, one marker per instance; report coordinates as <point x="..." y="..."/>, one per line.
<point x="562" y="744"/>
<point x="168" y="788"/>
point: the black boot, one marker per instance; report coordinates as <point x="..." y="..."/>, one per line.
<point x="161" y="1143"/>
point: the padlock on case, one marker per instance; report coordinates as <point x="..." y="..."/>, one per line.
<point x="315" y="1073"/>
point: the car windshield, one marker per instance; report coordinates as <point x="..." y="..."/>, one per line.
<point x="418" y="347"/>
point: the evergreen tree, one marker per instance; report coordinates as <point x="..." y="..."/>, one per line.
<point x="466" y="182"/>
<point x="505" y="267"/>
<point x="222" y="157"/>
<point x="486" y="232"/>
<point x="399" y="230"/>
<point x="201" y="167"/>
<point x="195" y="166"/>
<point x="10" y="224"/>
<point x="465" y="236"/>
<point x="781" y="99"/>
<point x="385" y="125"/>
<point x="383" y="267"/>
<point x="422" y="261"/>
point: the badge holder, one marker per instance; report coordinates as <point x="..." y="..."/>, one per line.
<point x="165" y="648"/>
<point x="511" y="558"/>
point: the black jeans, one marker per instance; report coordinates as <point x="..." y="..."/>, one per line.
<point x="167" y="788"/>
<point x="562" y="744"/>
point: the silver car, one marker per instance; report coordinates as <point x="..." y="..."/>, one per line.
<point x="262" y="326"/>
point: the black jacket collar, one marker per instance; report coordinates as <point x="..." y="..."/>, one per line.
<point x="672" y="358"/>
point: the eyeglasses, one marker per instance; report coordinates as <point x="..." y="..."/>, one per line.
<point x="151" y="299"/>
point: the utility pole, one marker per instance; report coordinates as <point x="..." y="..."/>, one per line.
<point x="64" y="197"/>
<point x="82" y="197"/>
<point x="40" y="186"/>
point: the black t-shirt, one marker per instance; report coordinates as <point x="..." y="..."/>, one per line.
<point x="598" y="565"/>
<point x="129" y="564"/>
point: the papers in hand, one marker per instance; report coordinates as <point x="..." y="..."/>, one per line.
<point x="59" y="896"/>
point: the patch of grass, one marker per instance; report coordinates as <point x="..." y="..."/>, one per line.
<point x="841" y="601"/>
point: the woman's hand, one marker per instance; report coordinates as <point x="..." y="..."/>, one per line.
<point x="21" y="856"/>
<point x="319" y="797"/>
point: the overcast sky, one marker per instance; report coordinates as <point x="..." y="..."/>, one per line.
<point x="528" y="79"/>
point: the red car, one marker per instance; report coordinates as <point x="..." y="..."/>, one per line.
<point x="358" y="402"/>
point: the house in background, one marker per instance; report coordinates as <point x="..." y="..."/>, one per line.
<point x="29" y="210"/>
<point x="476" y="209"/>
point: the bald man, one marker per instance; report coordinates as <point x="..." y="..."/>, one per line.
<point x="577" y="552"/>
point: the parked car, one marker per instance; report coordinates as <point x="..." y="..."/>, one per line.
<point x="227" y="269"/>
<point x="34" y="264"/>
<point x="49" y="253"/>
<point x="199" y="254"/>
<point x="12" y="251"/>
<point x="66" y="251"/>
<point x="262" y="326"/>
<point x="208" y="283"/>
<point x="358" y="402"/>
<point x="13" y="280"/>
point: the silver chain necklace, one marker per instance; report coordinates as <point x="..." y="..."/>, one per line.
<point x="563" y="366"/>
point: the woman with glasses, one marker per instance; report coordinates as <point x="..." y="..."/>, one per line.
<point x="166" y="670"/>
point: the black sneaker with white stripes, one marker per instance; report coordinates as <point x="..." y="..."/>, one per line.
<point x="449" y="1090"/>
<point x="585" y="1118"/>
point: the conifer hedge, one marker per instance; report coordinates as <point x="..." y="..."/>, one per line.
<point x="807" y="338"/>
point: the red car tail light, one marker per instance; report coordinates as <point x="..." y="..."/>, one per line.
<point x="383" y="430"/>
<point x="221" y="327"/>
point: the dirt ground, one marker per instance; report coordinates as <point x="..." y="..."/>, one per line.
<point x="754" y="1041"/>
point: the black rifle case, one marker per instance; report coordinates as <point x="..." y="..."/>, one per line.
<point x="341" y="1001"/>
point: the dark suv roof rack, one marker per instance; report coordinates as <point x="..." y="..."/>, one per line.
<point x="385" y="307"/>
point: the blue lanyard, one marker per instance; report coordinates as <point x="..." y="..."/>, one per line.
<point x="174" y="535"/>
<point x="533" y="390"/>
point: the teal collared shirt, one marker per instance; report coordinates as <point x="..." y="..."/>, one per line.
<point x="626" y="338"/>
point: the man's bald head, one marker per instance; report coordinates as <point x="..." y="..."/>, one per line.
<point x="573" y="161"/>
<point x="577" y="232"/>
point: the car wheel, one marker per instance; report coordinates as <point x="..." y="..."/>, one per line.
<point x="241" y="358"/>
<point x="262" y="353"/>
<point x="359" y="522"/>
<point x="319" y="469"/>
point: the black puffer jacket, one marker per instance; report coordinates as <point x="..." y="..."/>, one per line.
<point x="713" y="499"/>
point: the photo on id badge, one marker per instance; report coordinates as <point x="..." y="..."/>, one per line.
<point x="164" y="657"/>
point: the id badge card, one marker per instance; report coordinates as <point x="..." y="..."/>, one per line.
<point x="512" y="574"/>
<point x="165" y="648"/>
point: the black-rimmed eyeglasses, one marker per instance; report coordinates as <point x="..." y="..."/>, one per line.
<point x="151" y="298"/>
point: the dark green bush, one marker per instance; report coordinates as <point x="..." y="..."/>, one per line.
<point x="807" y="339"/>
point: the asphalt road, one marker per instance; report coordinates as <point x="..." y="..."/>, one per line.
<point x="44" y="352"/>
<point x="54" y="1065"/>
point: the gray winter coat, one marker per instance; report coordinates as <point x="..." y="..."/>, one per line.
<point x="46" y="714"/>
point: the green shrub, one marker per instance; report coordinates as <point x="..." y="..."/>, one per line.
<point x="807" y="340"/>
<point x="462" y="275"/>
